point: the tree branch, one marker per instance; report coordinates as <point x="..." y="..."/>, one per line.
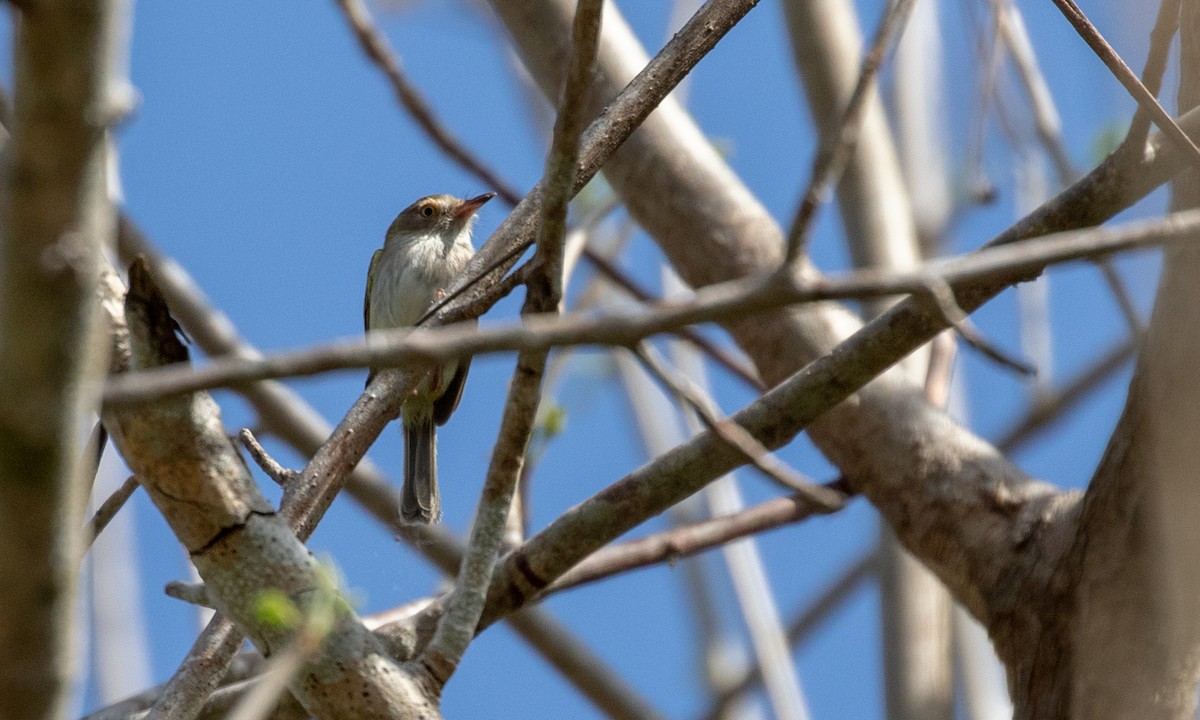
<point x="671" y="545"/>
<point x="57" y="220"/>
<point x="291" y="419"/>
<point x="544" y="294"/>
<point x="1145" y="99"/>
<point x="822" y="497"/>
<point x="375" y="45"/>
<point x="1165" y="25"/>
<point x="191" y="471"/>
<point x="1002" y="266"/>
<point x="109" y="508"/>
<point x="807" y="620"/>
<point x="838" y="147"/>
<point x="1055" y="404"/>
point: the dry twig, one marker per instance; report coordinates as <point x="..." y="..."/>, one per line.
<point x="1145" y="99"/>
<point x="376" y="47"/>
<point x="109" y="508"/>
<point x="1004" y="265"/>
<point x="831" y="159"/>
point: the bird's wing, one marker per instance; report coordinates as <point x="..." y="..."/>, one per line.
<point x="445" y="405"/>
<point x="370" y="282"/>
<point x="371" y="272"/>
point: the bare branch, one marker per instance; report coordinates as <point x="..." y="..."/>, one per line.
<point x="671" y="545"/>
<point x="807" y="620"/>
<point x="1054" y="405"/>
<point x="281" y="475"/>
<point x="943" y="296"/>
<point x="56" y="222"/>
<point x="544" y="294"/>
<point x="1145" y="99"/>
<point x="291" y="419"/>
<point x="1010" y="27"/>
<point x="738" y="367"/>
<point x="376" y="47"/>
<point x="832" y="158"/>
<point x="189" y="592"/>
<point x="821" y="497"/>
<point x="1165" y="26"/>
<point x="109" y="508"/>
<point x="995" y="265"/>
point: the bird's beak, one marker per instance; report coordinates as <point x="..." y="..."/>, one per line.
<point x="469" y="207"/>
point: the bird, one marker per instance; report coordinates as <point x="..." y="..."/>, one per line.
<point x="425" y="248"/>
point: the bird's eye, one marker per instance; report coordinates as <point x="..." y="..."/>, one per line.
<point x="427" y="211"/>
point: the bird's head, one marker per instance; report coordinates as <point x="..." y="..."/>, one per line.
<point x="443" y="216"/>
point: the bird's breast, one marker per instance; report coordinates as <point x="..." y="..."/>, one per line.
<point x="411" y="276"/>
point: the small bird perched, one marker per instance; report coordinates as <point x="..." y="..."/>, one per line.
<point x="426" y="247"/>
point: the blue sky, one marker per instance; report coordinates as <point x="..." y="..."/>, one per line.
<point x="268" y="157"/>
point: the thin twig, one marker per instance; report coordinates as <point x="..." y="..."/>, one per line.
<point x="808" y="619"/>
<point x="1001" y="263"/>
<point x="1011" y="29"/>
<point x="94" y="451"/>
<point x="747" y="573"/>
<point x="989" y="56"/>
<point x="1121" y="295"/>
<point x="1128" y="79"/>
<point x="671" y="545"/>
<point x="193" y="593"/>
<point x="831" y="159"/>
<point x="281" y="475"/>
<point x="376" y="47"/>
<point x="942" y="351"/>
<point x="762" y="459"/>
<point x="1055" y="404"/>
<point x="738" y="367"/>
<point x="621" y="117"/>
<point x="1165" y="26"/>
<point x="943" y="295"/>
<point x="109" y="508"/>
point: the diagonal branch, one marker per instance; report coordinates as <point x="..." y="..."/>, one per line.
<point x="838" y="147"/>
<point x="671" y="545"/>
<point x="110" y="507"/>
<point x="735" y="365"/>
<point x="1054" y="404"/>
<point x="822" y="497"/>
<point x="971" y="566"/>
<point x="808" y="619"/>
<point x="376" y="47"/>
<point x="1145" y="99"/>
<point x="544" y="293"/>
<point x="1165" y="25"/>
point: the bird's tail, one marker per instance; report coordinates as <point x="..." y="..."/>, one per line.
<point x="419" y="500"/>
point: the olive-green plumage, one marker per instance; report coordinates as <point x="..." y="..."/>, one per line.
<point x="426" y="247"/>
